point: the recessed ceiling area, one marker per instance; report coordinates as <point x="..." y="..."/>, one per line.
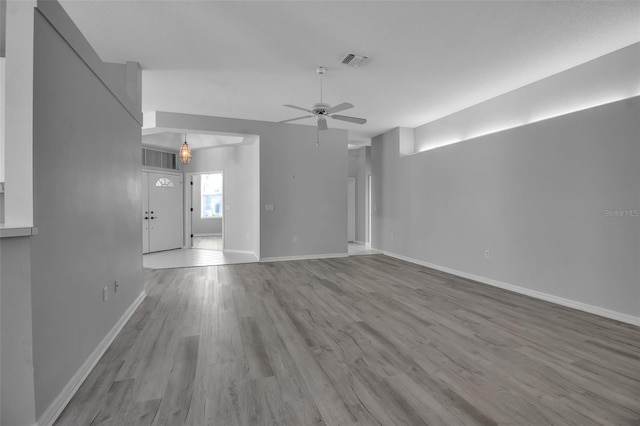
<point x="173" y="140"/>
<point x="426" y="59"/>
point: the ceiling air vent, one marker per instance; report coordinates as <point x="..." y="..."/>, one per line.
<point x="354" y="60"/>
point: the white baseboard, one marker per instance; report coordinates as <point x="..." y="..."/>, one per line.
<point x="597" y="310"/>
<point x="53" y="411"/>
<point x="240" y="251"/>
<point x="306" y="257"/>
<point x="207" y="235"/>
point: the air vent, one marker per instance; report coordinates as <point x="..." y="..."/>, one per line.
<point x="354" y="60"/>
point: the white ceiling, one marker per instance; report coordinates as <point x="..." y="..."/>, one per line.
<point x="246" y="59"/>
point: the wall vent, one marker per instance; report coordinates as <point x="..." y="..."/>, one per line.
<point x="159" y="159"/>
<point x="354" y="60"/>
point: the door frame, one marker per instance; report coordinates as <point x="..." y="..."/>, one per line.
<point x="368" y="237"/>
<point x="188" y="201"/>
<point x="355" y="208"/>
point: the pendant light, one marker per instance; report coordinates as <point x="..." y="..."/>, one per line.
<point x="185" y="151"/>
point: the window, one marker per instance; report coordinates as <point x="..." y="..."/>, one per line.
<point x="164" y="183"/>
<point x="161" y="159"/>
<point x="211" y="196"/>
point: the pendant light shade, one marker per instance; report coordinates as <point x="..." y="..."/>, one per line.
<point x="185" y="152"/>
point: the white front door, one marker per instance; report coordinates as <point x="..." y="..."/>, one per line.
<point x="164" y="211"/>
<point x="351" y="214"/>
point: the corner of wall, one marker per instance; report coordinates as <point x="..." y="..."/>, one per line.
<point x="407" y="141"/>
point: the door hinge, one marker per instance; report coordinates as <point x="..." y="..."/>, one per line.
<point x="191" y="209"/>
<point x="191" y="183"/>
<point x="191" y="235"/>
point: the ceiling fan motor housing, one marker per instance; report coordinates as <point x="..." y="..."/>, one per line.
<point x="320" y="108"/>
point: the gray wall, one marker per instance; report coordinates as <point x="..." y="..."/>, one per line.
<point x="359" y="167"/>
<point x="87" y="186"/>
<point x="203" y="226"/>
<point x="241" y="191"/>
<point x="535" y="196"/>
<point x="16" y="378"/>
<point x="3" y="26"/>
<point x="305" y="183"/>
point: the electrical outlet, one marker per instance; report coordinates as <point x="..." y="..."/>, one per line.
<point x="115" y="286"/>
<point x="105" y="294"/>
<point x="295" y="239"/>
<point x="487" y="254"/>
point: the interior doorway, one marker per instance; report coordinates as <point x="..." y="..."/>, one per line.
<point x="161" y="211"/>
<point x="351" y="209"/>
<point x="205" y="208"/>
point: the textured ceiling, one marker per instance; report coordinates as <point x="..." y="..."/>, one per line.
<point x="428" y="59"/>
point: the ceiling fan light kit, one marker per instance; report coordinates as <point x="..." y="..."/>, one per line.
<point x="323" y="110"/>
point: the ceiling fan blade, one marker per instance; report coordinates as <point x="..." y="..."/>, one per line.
<point x="300" y="108"/>
<point x="294" y="119"/>
<point x="349" y="119"/>
<point x="322" y="123"/>
<point x="340" y="107"/>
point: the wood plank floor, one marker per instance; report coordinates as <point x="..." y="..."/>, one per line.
<point x="366" y="340"/>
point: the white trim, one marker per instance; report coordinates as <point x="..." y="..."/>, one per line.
<point x="53" y="411"/>
<point x="305" y="257"/>
<point x="596" y="310"/>
<point x="159" y="171"/>
<point x="362" y="243"/>
<point x="240" y="252"/>
<point x="8" y="231"/>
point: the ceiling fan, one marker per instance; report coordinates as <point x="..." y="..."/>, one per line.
<point x="322" y="110"/>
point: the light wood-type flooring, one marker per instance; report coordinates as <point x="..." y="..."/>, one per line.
<point x="367" y="340"/>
